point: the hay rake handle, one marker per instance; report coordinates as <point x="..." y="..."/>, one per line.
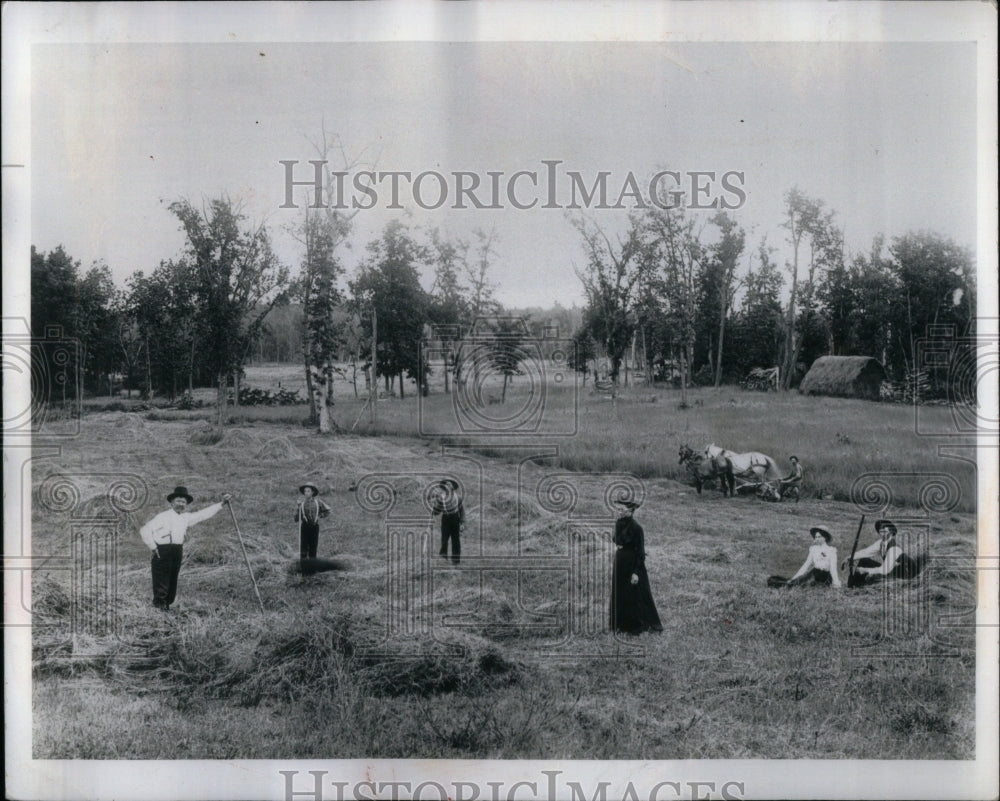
<point x="246" y="558"/>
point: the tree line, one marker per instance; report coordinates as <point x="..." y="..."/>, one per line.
<point x="690" y="299"/>
<point x="681" y="297"/>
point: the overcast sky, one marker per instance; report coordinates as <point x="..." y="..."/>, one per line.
<point x="885" y="133"/>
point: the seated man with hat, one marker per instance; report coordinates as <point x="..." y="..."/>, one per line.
<point x="164" y="536"/>
<point x="891" y="562"/>
<point x="821" y="563"/>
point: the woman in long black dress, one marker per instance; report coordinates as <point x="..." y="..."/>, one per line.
<point x="632" y="607"/>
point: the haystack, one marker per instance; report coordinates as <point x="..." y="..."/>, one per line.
<point x="235" y="438"/>
<point x="844" y="377"/>
<point x="512" y="504"/>
<point x="279" y="449"/>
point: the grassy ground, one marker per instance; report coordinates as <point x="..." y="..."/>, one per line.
<point x="486" y="663"/>
<point x="839" y="441"/>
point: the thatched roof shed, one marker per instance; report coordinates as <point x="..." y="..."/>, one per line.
<point x="844" y="377"/>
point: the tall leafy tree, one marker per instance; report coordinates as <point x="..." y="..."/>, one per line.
<point x="610" y="277"/>
<point x="164" y="310"/>
<point x="679" y="255"/>
<point x="803" y="218"/>
<point x="937" y="294"/>
<point x="875" y="292"/>
<point x="237" y="279"/>
<point x="54" y="278"/>
<point x="722" y="263"/>
<point x="389" y="283"/>
<point x="95" y="325"/>
<point x="506" y="351"/>
<point x="584" y="352"/>
<point x="322" y="232"/>
<point x="449" y="304"/>
<point x="477" y="261"/>
<point x="323" y="329"/>
<point x="758" y="327"/>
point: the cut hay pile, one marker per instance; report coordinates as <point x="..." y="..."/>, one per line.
<point x="288" y="656"/>
<point x="515" y="505"/>
<point x="205" y="434"/>
<point x="482" y="612"/>
<point x="236" y="438"/>
<point x="844" y="377"/>
<point x="279" y="449"/>
<point x="547" y="534"/>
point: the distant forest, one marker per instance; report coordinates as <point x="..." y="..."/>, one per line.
<point x="680" y="298"/>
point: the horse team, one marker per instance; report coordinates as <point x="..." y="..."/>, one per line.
<point x="754" y="469"/>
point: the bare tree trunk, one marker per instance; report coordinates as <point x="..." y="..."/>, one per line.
<point x="310" y="390"/>
<point x="646" y="360"/>
<point x="236" y="389"/>
<point x="149" y="375"/>
<point x="503" y="392"/>
<point x="220" y="399"/>
<point x="718" y="353"/>
<point x="328" y="373"/>
<point x="401" y="385"/>
<point x="447" y="388"/>
<point x="322" y="406"/>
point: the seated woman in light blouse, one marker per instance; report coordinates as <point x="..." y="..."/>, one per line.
<point x="821" y="564"/>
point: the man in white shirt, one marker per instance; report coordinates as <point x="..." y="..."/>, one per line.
<point x="164" y="536"/>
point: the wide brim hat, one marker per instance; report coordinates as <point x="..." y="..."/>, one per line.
<point x="826" y="534"/>
<point x="180" y="492"/>
<point x="881" y="524"/>
<point x="627" y="502"/>
<point x="311" y="486"/>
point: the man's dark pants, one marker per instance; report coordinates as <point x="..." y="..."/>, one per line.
<point x="451" y="525"/>
<point x="165" y="568"/>
<point x="308" y="540"/>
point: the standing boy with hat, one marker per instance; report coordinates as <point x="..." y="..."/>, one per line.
<point x="164" y="536"/>
<point x="310" y="510"/>
<point x="448" y="504"/>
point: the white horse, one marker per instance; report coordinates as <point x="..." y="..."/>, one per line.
<point x="750" y="466"/>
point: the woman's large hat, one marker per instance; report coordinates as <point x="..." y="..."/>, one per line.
<point x="626" y="500"/>
<point x="820" y="530"/>
<point x="881" y="524"/>
<point x="311" y="486"/>
<point x="179" y="492"/>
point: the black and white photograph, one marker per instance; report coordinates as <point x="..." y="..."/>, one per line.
<point x="478" y="401"/>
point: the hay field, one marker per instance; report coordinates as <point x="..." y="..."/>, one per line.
<point x="404" y="655"/>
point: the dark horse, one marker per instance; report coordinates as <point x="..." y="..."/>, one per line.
<point x="704" y="469"/>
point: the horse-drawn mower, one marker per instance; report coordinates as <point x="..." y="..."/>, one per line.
<point x="739" y="473"/>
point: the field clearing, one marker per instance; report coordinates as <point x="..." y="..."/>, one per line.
<point x="838" y="440"/>
<point x="740" y="671"/>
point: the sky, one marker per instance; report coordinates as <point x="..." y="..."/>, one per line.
<point x="884" y="133"/>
